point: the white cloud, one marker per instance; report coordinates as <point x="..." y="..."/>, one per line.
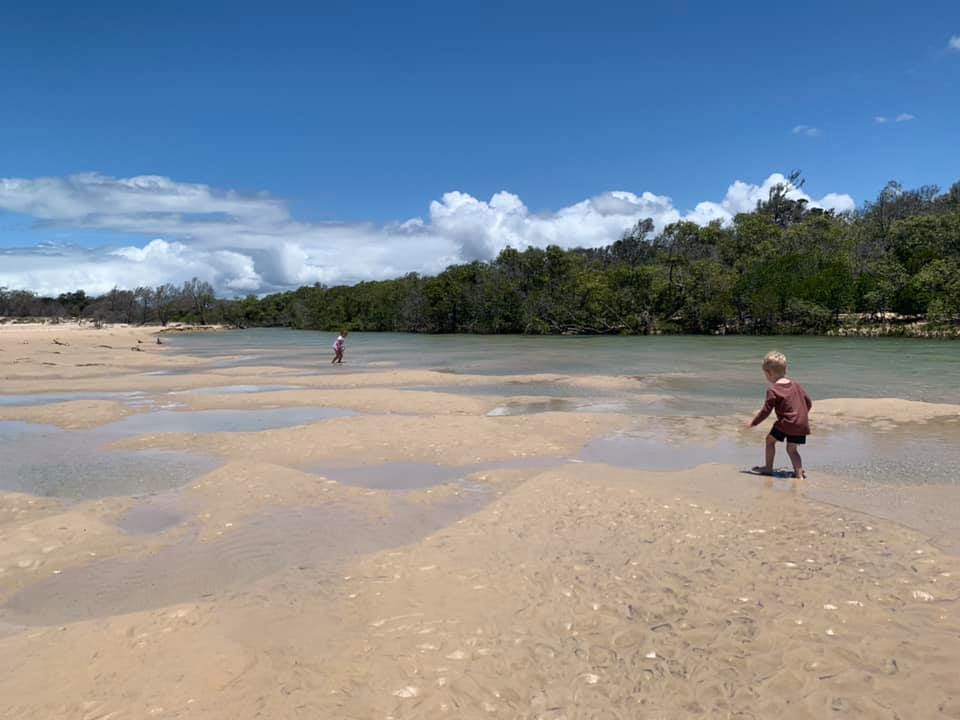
<point x="89" y="196"/>
<point x="52" y="269"/>
<point x="806" y="130"/>
<point x="902" y="117"/>
<point x="840" y="203"/>
<point x="954" y="43"/>
<point x="241" y="243"/>
<point x="481" y="229"/>
<point x="743" y="197"/>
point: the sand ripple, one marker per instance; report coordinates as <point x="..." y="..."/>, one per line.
<point x="658" y="609"/>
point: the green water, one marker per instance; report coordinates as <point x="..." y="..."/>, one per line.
<point x="689" y="375"/>
<point x="691" y="368"/>
<point x="701" y="376"/>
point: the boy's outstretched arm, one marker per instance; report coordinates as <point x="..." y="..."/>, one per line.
<point x="765" y="410"/>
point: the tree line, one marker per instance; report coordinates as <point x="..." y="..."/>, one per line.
<point x="785" y="267"/>
<point x="194" y="301"/>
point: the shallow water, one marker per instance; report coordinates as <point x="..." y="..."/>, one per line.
<point x="413" y="475"/>
<point x="201" y="421"/>
<point x="928" y="454"/>
<point x="676" y="377"/>
<point x="533" y="389"/>
<point x="44" y="460"/>
<point x="236" y="389"/>
<point x="32" y="399"/>
<point x="610" y="403"/>
<point x="532" y="407"/>
<point x="570" y="397"/>
<point x="152" y="514"/>
<point x="724" y="368"/>
<point x="309" y="540"/>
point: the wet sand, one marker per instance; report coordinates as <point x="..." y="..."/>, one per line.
<point x="425" y="559"/>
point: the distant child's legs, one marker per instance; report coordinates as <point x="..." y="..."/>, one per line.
<point x="795" y="458"/>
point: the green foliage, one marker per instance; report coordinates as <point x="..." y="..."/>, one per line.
<point x="938" y="289"/>
<point x="74" y="302"/>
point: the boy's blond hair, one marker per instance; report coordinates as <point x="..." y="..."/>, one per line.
<point x="775" y="362"/>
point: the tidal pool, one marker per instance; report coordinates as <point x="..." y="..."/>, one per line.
<point x="45" y="460"/>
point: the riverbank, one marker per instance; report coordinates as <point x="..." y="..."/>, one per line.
<point x="851" y="325"/>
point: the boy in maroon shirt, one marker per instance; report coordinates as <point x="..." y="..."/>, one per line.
<point x="792" y="405"/>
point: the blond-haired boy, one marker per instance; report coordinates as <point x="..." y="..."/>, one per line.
<point x="792" y="405"/>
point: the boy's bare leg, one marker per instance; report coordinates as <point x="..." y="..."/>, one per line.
<point x="770" y="452"/>
<point x="797" y="461"/>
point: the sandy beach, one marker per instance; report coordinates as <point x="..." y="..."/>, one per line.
<point x="511" y="576"/>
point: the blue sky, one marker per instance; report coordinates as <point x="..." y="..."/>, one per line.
<point x="362" y="114"/>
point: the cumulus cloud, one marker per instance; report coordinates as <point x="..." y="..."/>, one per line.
<point x="905" y="117"/>
<point x="52" y="269"/>
<point x="880" y="119"/>
<point x="743" y="197"/>
<point x="954" y="43"/>
<point x="251" y="244"/>
<point x="481" y="229"/>
<point x="806" y="130"/>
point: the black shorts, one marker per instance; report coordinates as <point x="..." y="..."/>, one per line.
<point x="780" y="436"/>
